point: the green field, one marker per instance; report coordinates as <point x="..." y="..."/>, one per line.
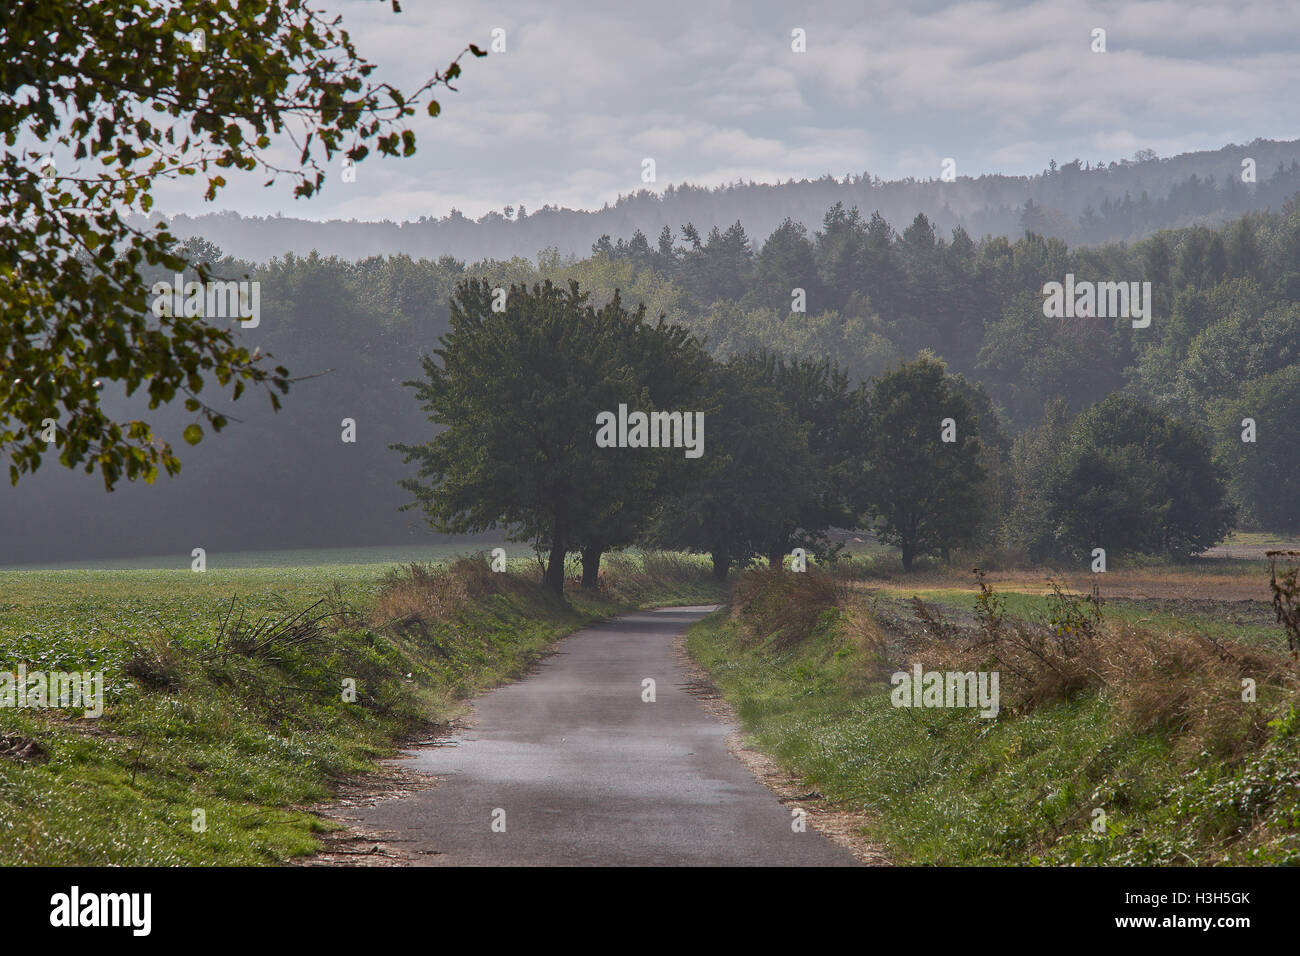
<point x="217" y="723"/>
<point x="300" y="558"/>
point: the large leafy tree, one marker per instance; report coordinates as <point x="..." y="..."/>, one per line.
<point x="1136" y="479"/>
<point x="1265" y="473"/>
<point x="818" y="397"/>
<point x="518" y="392"/>
<point x="925" y="494"/>
<point x="648" y="367"/>
<point x="760" y="468"/>
<point x="98" y="103"/>
<point x="1030" y="358"/>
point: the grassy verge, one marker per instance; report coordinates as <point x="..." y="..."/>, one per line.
<point x="1125" y="743"/>
<point x="225" y="707"/>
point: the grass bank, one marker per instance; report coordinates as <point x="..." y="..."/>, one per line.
<point x="226" y="704"/>
<point x="1119" y="741"/>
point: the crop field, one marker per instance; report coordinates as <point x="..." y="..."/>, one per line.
<point x="1224" y="594"/>
<point x="295" y="558"/>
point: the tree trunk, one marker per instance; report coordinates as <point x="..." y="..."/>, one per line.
<point x="721" y="565"/>
<point x="591" y="568"/>
<point x="554" y="579"/>
<point x="776" y="559"/>
<point x="944" y="553"/>
<point x="907" y="555"/>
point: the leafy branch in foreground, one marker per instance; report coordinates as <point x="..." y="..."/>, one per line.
<point x="98" y="103"/>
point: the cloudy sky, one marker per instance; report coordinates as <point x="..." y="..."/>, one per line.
<point x="713" y="92"/>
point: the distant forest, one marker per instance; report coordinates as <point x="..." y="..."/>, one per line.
<point x="1082" y="201"/>
<point x="1223" y="345"/>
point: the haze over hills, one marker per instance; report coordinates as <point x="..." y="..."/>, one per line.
<point x="1081" y="201"/>
<point x="880" y="290"/>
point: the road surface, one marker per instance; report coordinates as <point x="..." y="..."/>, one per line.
<point x="570" y="766"/>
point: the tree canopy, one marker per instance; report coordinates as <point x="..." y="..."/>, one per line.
<point x="1135" y="479"/>
<point x="923" y="476"/>
<point x="518" y="392"/>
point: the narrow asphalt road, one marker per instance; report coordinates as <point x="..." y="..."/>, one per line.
<point x="571" y="767"/>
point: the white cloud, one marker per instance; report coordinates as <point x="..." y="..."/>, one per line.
<point x="713" y="92"/>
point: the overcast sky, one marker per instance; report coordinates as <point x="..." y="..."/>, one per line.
<point x="713" y="92"/>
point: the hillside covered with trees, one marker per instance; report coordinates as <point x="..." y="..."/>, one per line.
<point x="1060" y="411"/>
<point x="1085" y="200"/>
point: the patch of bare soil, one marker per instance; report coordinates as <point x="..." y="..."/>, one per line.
<point x="1249" y="552"/>
<point x="1140" y="583"/>
<point x="21" y="749"/>
<point x="838" y="824"/>
<point x="349" y="844"/>
<point x="1237" y="613"/>
<point x="1154" y="586"/>
<point x="74" y="722"/>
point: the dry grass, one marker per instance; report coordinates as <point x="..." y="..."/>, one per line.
<point x="1286" y="594"/>
<point x="781" y="606"/>
<point x="1205" y="580"/>
<point x="650" y="577"/>
<point x="154" y="663"/>
<point x="1182" y="684"/>
<point x="1189" y="686"/>
<point x="654" y="568"/>
<point x="419" y="593"/>
<point x="1145" y="718"/>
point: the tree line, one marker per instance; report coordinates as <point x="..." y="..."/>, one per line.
<point x="1222" y="348"/>
<point x="521" y="380"/>
<point x="1084" y="200"/>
